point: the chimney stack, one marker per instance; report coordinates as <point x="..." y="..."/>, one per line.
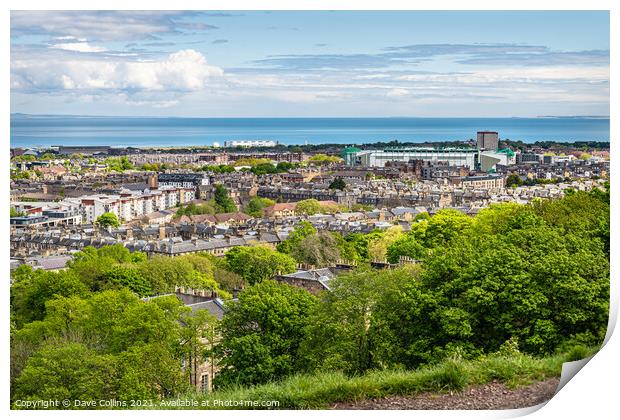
<point x="153" y="182"/>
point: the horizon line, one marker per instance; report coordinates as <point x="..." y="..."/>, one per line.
<point x="304" y="117"/>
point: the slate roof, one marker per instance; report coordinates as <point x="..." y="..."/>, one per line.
<point x="321" y="275"/>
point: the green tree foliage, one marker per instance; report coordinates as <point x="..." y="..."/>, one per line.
<point x="223" y="202"/>
<point x="90" y="264"/>
<point x="107" y="220"/>
<point x="192" y="209"/>
<point x="320" y="249"/>
<point x="119" y="164"/>
<point x="32" y="289"/>
<point x="381" y="241"/>
<point x="164" y="273"/>
<point x="156" y="167"/>
<point x="264" y="169"/>
<point x="537" y="275"/>
<point x="405" y="246"/>
<point x="109" y="345"/>
<point x="257" y="204"/>
<point x="262" y="333"/>
<point x="24" y="158"/>
<point x="323" y="159"/>
<point x="252" y="161"/>
<point x="70" y="371"/>
<point x="258" y="263"/>
<point x="218" y="169"/>
<point x="130" y="277"/>
<point x="342" y="333"/>
<point x="308" y="207"/>
<point x="15" y="213"/>
<point x="427" y="234"/>
<point x="338" y="184"/>
<point x="48" y="156"/>
<point x="582" y="213"/>
<point x="533" y="284"/>
<point x="301" y="232"/>
<point x="513" y="180"/>
<point x="361" y="207"/>
<point x="17" y="174"/>
<point x="285" y="166"/>
<point x="198" y="339"/>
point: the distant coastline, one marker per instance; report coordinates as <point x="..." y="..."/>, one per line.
<point x="28" y="130"/>
<point x="25" y="115"/>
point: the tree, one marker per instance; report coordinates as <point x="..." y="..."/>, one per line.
<point x="284" y="166"/>
<point x="257" y="204"/>
<point x="308" y="207"/>
<point x="259" y="262"/>
<point x="31" y="291"/>
<point x="15" y="213"/>
<point x="262" y="333"/>
<point x="126" y="276"/>
<point x="165" y="273"/>
<point x="342" y="333"/>
<point x="223" y="203"/>
<point x="516" y="284"/>
<point x="338" y="184"/>
<point x="69" y="371"/>
<point x="319" y="249"/>
<point x="199" y="336"/>
<point x="107" y="220"/>
<point x="323" y="159"/>
<point x="513" y="180"/>
<point x="149" y="371"/>
<point x="118" y="347"/>
<point x="301" y="232"/>
<point x="378" y="246"/>
<point x="91" y="264"/>
<point x="264" y="168"/>
<point x="406" y="246"/>
<point x="191" y="209"/>
<point x="119" y="164"/>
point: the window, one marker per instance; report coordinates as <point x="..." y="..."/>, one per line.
<point x="204" y="383"/>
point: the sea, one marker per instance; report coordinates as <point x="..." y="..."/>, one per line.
<point x="29" y="131"/>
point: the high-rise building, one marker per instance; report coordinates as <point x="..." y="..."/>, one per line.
<point x="487" y="140"/>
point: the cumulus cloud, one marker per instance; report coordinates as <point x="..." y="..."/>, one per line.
<point x="185" y="70"/>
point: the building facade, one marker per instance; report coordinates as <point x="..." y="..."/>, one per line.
<point x="379" y="158"/>
<point x="487" y="140"/>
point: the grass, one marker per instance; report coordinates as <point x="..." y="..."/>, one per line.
<point x="323" y="389"/>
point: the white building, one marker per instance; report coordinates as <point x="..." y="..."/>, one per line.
<point x="378" y="158"/>
<point x="131" y="205"/>
<point x="250" y="143"/>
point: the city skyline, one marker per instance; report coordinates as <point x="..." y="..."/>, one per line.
<point x="304" y="64"/>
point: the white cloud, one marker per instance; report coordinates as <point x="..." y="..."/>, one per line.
<point x="96" y="24"/>
<point x="532" y="74"/>
<point x="397" y="93"/>
<point x="185" y="70"/>
<point x="79" y="46"/>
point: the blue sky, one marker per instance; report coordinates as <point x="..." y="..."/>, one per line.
<point x="318" y="63"/>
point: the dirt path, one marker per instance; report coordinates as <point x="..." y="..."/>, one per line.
<point x="491" y="396"/>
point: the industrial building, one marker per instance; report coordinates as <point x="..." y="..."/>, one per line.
<point x="378" y="158"/>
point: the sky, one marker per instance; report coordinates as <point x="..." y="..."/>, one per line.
<point x="310" y="64"/>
